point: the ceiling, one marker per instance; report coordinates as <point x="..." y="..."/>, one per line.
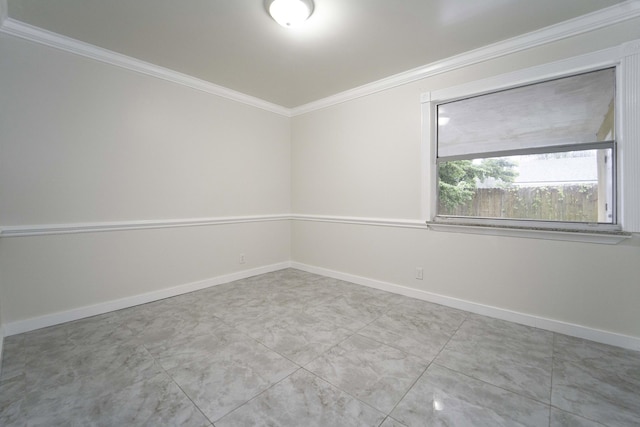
<point x="345" y="43"/>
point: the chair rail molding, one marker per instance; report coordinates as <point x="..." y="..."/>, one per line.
<point x="93" y="227"/>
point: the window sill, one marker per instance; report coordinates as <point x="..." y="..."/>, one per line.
<point x="607" y="238"/>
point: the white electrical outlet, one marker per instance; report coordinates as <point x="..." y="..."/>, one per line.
<point x="419" y="273"/>
<point x="242" y="259"/>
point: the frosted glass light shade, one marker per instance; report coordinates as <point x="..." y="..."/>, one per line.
<point x="290" y="13"/>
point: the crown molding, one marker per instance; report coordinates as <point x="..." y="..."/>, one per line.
<point x="582" y="24"/>
<point x="28" y="32"/>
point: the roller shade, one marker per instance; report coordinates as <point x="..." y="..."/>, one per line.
<point x="566" y="111"/>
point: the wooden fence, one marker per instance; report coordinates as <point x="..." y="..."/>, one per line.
<point x="564" y="203"/>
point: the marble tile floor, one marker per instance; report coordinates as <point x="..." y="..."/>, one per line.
<point x="290" y="348"/>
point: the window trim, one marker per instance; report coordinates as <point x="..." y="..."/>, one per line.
<point x="529" y="223"/>
<point x="584" y="146"/>
<point x="626" y="60"/>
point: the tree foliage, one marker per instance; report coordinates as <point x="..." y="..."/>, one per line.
<point x="459" y="178"/>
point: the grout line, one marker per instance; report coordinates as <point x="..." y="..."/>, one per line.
<point x="257" y="340"/>
<point x="137" y="340"/>
<point x="352" y="334"/>
<point x="486" y="382"/>
<point x="327" y="351"/>
<point x="519" y="394"/>
<point x="389" y="417"/>
<point x="259" y="394"/>
<point x="303" y="367"/>
<point x="355" y="332"/>
<point x="551" y="405"/>
<point x="346" y="392"/>
<point x="428" y="365"/>
<point x="243" y="403"/>
<point x="175" y="382"/>
<point x="578" y="415"/>
<point x="413" y="384"/>
<point x="553" y="360"/>
<point x="251" y="398"/>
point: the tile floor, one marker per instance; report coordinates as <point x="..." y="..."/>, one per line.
<point x="291" y="348"/>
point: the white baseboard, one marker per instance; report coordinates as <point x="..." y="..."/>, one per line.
<point x="20" y="326"/>
<point x="605" y="337"/>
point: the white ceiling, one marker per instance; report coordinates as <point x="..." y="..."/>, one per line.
<point x="345" y="43"/>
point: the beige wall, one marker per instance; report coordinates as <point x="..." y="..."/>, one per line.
<point x="85" y="141"/>
<point x="82" y="141"/>
<point x="49" y="274"/>
<point x="362" y="159"/>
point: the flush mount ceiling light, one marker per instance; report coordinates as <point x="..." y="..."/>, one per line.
<point x="289" y="13"/>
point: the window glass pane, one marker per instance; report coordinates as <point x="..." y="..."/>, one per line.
<point x="575" y="186"/>
<point x="566" y="111"/>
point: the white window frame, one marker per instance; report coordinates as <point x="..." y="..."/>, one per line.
<point x="626" y="60"/>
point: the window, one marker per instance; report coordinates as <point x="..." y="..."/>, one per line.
<point x="548" y="152"/>
<point x="543" y="152"/>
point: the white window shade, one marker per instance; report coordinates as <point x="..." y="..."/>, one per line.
<point x="561" y="112"/>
